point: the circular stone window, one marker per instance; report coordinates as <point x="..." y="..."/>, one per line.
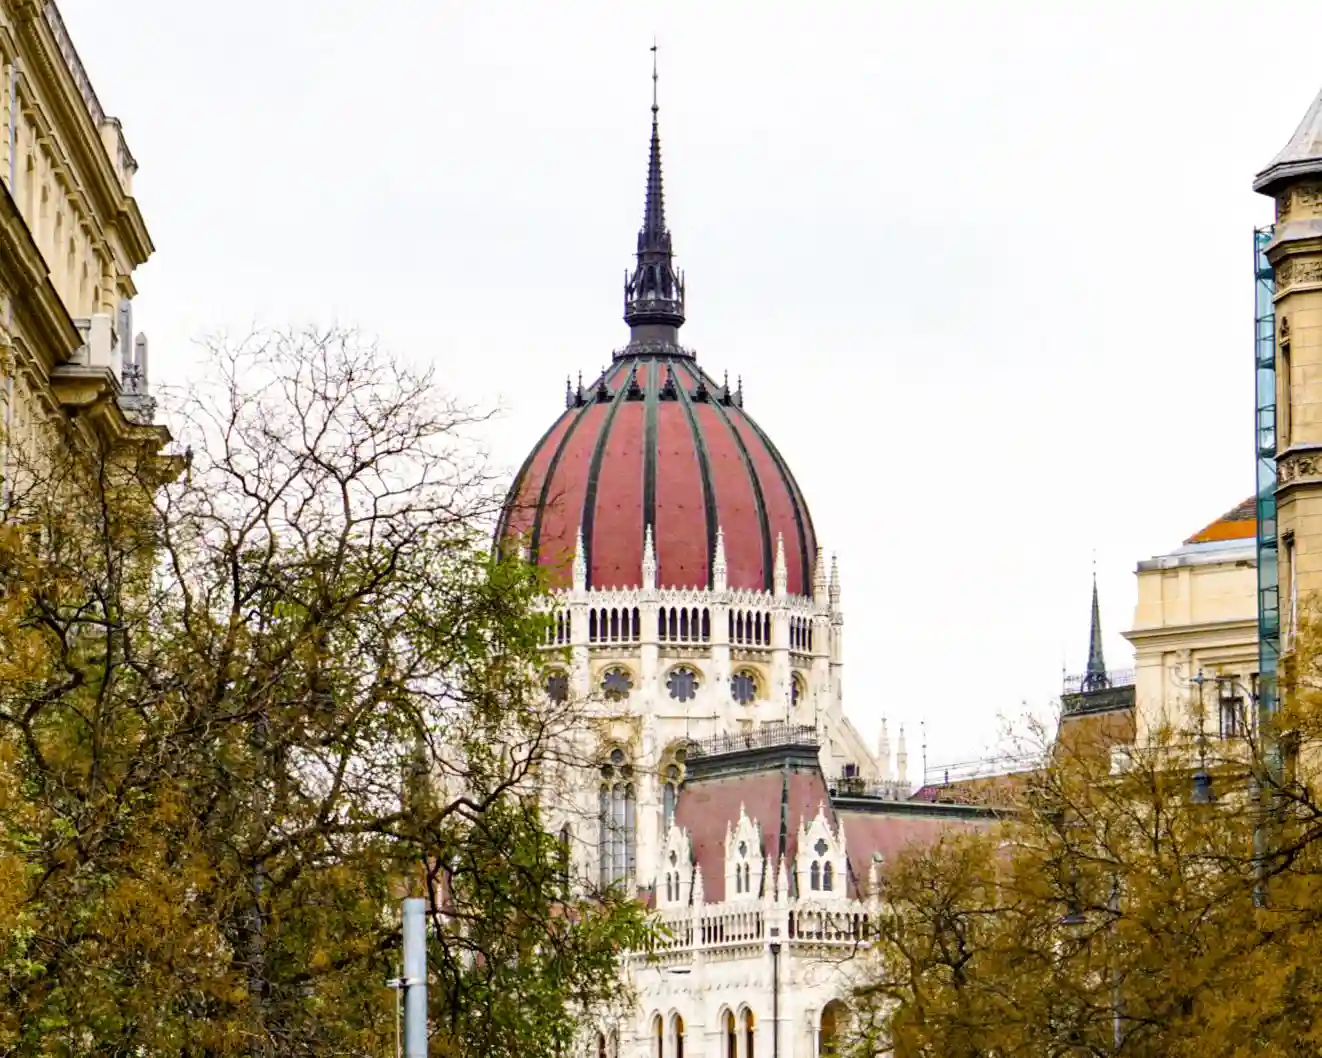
<point x="743" y="687"/>
<point x="682" y="683"/>
<point x="616" y="683"/>
<point x="557" y="687"/>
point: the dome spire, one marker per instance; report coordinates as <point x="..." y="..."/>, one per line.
<point x="654" y="293"/>
<point x="1095" y="679"/>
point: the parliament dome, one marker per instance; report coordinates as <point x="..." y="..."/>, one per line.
<point x="655" y="444"/>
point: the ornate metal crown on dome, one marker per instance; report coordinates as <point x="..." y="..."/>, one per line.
<point x="655" y="443"/>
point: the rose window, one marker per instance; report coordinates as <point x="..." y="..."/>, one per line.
<point x="682" y="684"/>
<point x="617" y="683"/>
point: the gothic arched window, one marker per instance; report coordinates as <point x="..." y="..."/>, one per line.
<point x="615" y="821"/>
<point x="671" y="774"/>
<point x="828" y="877"/>
<point x="815" y="876"/>
<point x="743" y="687"/>
<point x="557" y="686"/>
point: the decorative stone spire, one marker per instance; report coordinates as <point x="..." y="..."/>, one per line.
<point x="835" y="583"/>
<point x="884" y="751"/>
<point x="781" y="578"/>
<point x="1302" y="156"/>
<point x="902" y="759"/>
<point x="580" y="573"/>
<point x="1095" y="679"/>
<point x="699" y="895"/>
<point x="819" y="579"/>
<point x="782" y="881"/>
<point x="649" y="561"/>
<point x="719" y="581"/>
<point x="654" y="293"/>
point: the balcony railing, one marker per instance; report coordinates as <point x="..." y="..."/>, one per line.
<point x="1112" y="678"/>
<point x="778" y="733"/>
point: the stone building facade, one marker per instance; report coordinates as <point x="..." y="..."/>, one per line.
<point x="71" y="238"/>
<point x="1293" y="180"/>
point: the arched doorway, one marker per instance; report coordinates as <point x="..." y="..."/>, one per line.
<point x="835" y="1018"/>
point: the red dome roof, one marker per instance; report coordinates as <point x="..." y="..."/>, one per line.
<point x="656" y="442"/>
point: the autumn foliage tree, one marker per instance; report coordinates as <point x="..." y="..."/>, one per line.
<point x="251" y="695"/>
<point x="1166" y="903"/>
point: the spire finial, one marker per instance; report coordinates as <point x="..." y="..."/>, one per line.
<point x="655" y="108"/>
<point x="1095" y="678"/>
<point x="654" y="292"/>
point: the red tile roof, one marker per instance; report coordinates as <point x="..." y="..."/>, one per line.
<point x="783" y="794"/>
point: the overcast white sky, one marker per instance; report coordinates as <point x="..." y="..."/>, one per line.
<point x="985" y="268"/>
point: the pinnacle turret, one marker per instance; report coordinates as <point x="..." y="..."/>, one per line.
<point x="780" y="576"/>
<point x="1095" y="678"/>
<point x="1301" y="157"/>
<point x="654" y="293"/>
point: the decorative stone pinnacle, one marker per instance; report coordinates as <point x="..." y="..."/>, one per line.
<point x="718" y="568"/>
<point x="649" y="560"/>
<point x="835" y="583"/>
<point x="580" y="570"/>
<point x="780" y="578"/>
<point x="819" y="577"/>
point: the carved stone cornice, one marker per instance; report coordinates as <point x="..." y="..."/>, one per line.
<point x="81" y="138"/>
<point x="1295" y="273"/>
<point x="1299" y="466"/>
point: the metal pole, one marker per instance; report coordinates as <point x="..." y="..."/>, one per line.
<point x="415" y="978"/>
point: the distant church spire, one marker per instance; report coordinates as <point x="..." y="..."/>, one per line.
<point x="1095" y="679"/>
<point x="654" y="293"/>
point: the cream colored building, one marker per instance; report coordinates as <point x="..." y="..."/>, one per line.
<point x="1197" y="612"/>
<point x="71" y="237"/>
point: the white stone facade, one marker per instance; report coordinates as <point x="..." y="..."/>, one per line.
<point x="661" y="669"/>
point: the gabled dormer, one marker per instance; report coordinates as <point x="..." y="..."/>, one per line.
<point x="674" y="876"/>
<point x="743" y="858"/>
<point x="820" y="865"/>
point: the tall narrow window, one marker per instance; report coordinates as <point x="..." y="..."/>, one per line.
<point x="749" y="1026"/>
<point x="1283" y="416"/>
<point x="658" y="1037"/>
<point x="616" y="821"/>
<point x="679" y="1037"/>
<point x="731" y="1037"/>
<point x="1293" y="626"/>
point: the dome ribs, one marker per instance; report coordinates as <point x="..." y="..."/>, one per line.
<point x="650" y="398"/>
<point x="560" y="503"/>
<point x="802" y="517"/>
<point x="594" y="476"/>
<point x="613" y="511"/>
<point x="518" y="511"/>
<point x="736" y="506"/>
<point x="704" y="468"/>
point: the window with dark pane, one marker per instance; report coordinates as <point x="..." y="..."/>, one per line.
<point x="557" y="686"/>
<point x="682" y="683"/>
<point x="617" y="683"/>
<point x="743" y="687"/>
